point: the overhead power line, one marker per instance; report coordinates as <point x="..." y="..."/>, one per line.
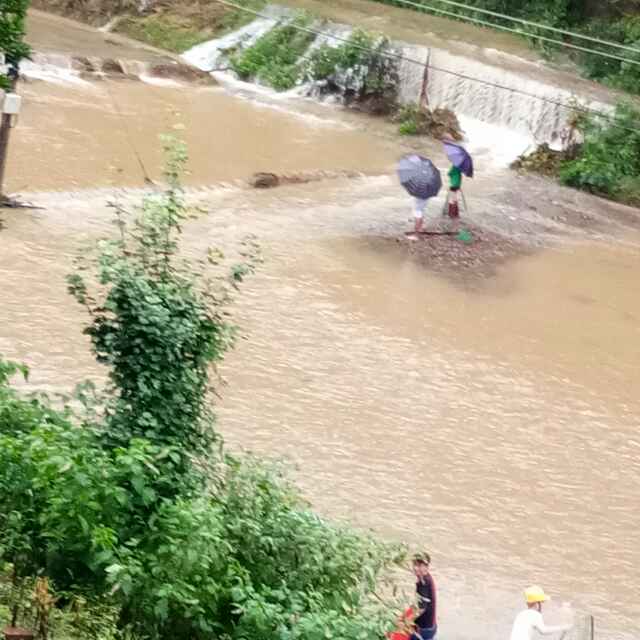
<point x="485" y="23"/>
<point x="528" y="23"/>
<point x="424" y="65"/>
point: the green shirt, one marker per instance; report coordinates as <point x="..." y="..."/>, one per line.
<point x="455" y="178"/>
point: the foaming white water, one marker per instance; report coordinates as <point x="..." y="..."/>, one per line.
<point x="411" y="72"/>
<point x="267" y="98"/>
<point x="496" y="145"/>
<point x="504" y="104"/>
<point x="214" y="54"/>
<point x="50" y="72"/>
<point x="496" y="96"/>
<point x="158" y="82"/>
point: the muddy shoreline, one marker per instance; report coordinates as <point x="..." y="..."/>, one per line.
<point x="445" y="253"/>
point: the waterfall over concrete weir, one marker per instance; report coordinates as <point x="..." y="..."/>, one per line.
<point x="494" y="97"/>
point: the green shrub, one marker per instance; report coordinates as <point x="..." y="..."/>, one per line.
<point x="359" y="69"/>
<point x="273" y="59"/>
<point x="362" y="49"/>
<point x="13" y="15"/>
<point x="609" y="161"/>
<point x="628" y="190"/>
<point x="123" y="503"/>
<point x="251" y="561"/>
<point x="618" y="74"/>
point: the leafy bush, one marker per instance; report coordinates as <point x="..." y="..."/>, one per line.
<point x="250" y="561"/>
<point x="618" y="74"/>
<point x="65" y="501"/>
<point x="609" y="161"/>
<point x="123" y="503"/>
<point x="360" y="70"/>
<point x="356" y="52"/>
<point x="157" y="323"/>
<point x="13" y="14"/>
<point x="273" y="59"/>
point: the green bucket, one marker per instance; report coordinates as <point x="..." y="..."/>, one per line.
<point x="465" y="236"/>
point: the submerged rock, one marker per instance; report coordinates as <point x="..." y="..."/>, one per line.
<point x="184" y="72"/>
<point x="264" y="180"/>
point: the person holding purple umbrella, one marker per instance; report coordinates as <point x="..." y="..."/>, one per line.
<point x="455" y="184"/>
<point x="461" y="164"/>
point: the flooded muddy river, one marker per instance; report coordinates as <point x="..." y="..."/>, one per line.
<point x="493" y="421"/>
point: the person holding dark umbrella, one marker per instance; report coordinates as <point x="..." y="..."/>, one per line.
<point x="422" y="180"/>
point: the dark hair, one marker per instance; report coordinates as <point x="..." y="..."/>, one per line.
<point x="422" y="558"/>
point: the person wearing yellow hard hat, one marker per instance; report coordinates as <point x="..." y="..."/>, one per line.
<point x="531" y="619"/>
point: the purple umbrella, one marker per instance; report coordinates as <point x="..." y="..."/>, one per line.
<point x="459" y="157"/>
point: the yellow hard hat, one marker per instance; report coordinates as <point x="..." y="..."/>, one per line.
<point x="535" y="594"/>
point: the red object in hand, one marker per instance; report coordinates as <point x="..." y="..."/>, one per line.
<point x="406" y="619"/>
<point x="409" y="615"/>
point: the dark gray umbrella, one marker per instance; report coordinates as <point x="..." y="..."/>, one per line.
<point x="419" y="176"/>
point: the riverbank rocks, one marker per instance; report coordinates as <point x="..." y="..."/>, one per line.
<point x="265" y="180"/>
<point x="438" y="123"/>
<point x="181" y="72"/>
<point x="544" y="160"/>
<point x="95" y="68"/>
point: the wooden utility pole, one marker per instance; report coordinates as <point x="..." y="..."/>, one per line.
<point x="5" y="130"/>
<point x="423" y="101"/>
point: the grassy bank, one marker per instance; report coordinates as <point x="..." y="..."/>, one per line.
<point x="173" y="26"/>
<point x="178" y="26"/>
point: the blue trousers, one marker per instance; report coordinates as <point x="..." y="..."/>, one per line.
<point x="425" y="634"/>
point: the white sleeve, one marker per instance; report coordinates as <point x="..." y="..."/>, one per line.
<point x="542" y="628"/>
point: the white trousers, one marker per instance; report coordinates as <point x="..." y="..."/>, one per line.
<point x="419" y="207"/>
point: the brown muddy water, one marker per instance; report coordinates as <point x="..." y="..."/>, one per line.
<point x="492" y="421"/>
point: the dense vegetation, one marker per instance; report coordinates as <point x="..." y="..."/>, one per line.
<point x="13" y="15"/>
<point x="120" y="514"/>
<point x="360" y="70"/>
<point x="357" y="69"/>
<point x="274" y="59"/>
<point x="615" y="21"/>
<point x="608" y="163"/>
